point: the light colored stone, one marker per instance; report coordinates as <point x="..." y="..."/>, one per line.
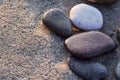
<point x="86" y="17"/>
<point x="102" y="1"/>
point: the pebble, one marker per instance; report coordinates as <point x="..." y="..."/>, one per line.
<point x="89" y="44"/>
<point x="117" y="72"/>
<point x="58" y="22"/>
<point x="102" y="1"/>
<point x="88" y="70"/>
<point x="86" y="17"/>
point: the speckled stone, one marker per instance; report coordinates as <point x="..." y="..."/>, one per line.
<point x="88" y="70"/>
<point x="89" y="44"/>
<point x="117" y="72"/>
<point x="58" y="22"/>
<point x="102" y="1"/>
<point x="86" y="17"/>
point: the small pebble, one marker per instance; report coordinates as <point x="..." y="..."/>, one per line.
<point x="58" y="22"/>
<point x="86" y="17"/>
<point x="117" y="72"/>
<point x="89" y="44"/>
<point x="102" y="1"/>
<point x="88" y="70"/>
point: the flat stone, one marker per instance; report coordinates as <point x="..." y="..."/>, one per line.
<point x="102" y="1"/>
<point x="88" y="70"/>
<point x="117" y="72"/>
<point x="58" y="22"/>
<point x="86" y="17"/>
<point x="89" y="44"/>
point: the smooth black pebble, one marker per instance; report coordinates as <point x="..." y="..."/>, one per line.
<point x="117" y="72"/>
<point x="58" y="22"/>
<point x="88" y="70"/>
<point x="89" y="44"/>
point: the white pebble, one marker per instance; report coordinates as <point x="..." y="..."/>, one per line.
<point x="86" y="17"/>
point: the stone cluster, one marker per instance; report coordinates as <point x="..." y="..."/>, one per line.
<point x="86" y="45"/>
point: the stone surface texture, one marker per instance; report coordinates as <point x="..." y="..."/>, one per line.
<point x="117" y="71"/>
<point x="89" y="44"/>
<point x="88" y="70"/>
<point x="86" y="17"/>
<point x="118" y="34"/>
<point x="102" y="1"/>
<point x="58" y="22"/>
<point x="29" y="51"/>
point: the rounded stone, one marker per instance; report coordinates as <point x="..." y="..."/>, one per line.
<point x="88" y="70"/>
<point x="117" y="72"/>
<point x="86" y="17"/>
<point x="58" y="22"/>
<point x="102" y="1"/>
<point x="89" y="44"/>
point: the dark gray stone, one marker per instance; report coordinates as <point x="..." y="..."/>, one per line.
<point x="102" y="1"/>
<point x="88" y="70"/>
<point x="118" y="34"/>
<point x="117" y="72"/>
<point x="89" y="44"/>
<point x="58" y="22"/>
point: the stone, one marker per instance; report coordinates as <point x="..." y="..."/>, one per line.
<point x="117" y="72"/>
<point x="88" y="70"/>
<point x="102" y="1"/>
<point x="118" y="34"/>
<point x="89" y="44"/>
<point x="58" y="22"/>
<point x="86" y="17"/>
